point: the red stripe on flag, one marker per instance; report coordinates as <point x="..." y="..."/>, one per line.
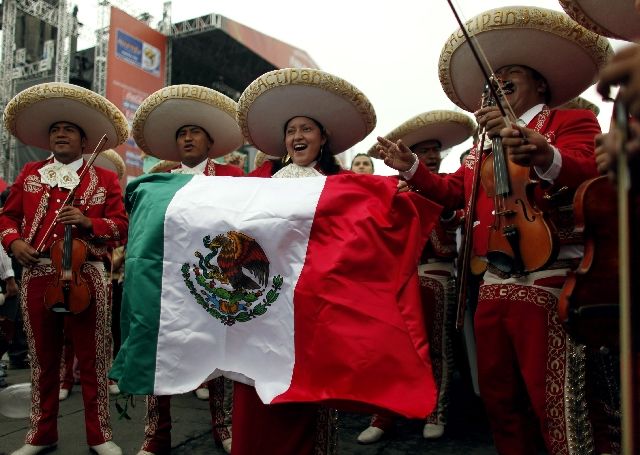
<point x="359" y="328"/>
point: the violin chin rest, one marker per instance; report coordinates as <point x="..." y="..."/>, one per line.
<point x="501" y="261"/>
<point x="59" y="308"/>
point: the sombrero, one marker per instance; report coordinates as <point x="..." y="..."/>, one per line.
<point x="31" y="112"/>
<point x="613" y="18"/>
<point x="261" y="157"/>
<point x="277" y="96"/>
<point x="110" y="159"/>
<point x="447" y="127"/>
<point x="581" y="103"/>
<point x="163" y="166"/>
<point x="163" y="112"/>
<point x="566" y="54"/>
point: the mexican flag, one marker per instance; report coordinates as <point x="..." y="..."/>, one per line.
<point x="306" y="288"/>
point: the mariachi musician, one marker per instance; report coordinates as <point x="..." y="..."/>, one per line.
<point x="528" y="367"/>
<point x="36" y="226"/>
<point x="616" y="411"/>
<point x="187" y="127"/>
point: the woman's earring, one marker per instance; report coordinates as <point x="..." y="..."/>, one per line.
<point x="286" y="159"/>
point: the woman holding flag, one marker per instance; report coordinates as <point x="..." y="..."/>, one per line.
<point x="305" y="116"/>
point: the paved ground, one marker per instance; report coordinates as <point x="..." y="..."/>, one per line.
<point x="467" y="432"/>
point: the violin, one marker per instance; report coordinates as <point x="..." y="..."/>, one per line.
<point x="520" y="239"/>
<point x="68" y="292"/>
<point x="588" y="301"/>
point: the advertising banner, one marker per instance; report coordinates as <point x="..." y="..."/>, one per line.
<point x="136" y="67"/>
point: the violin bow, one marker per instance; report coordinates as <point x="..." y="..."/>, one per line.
<point x="101" y="143"/>
<point x="627" y="369"/>
<point x="485" y="67"/>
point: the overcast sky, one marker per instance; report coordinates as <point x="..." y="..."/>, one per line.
<point x="388" y="49"/>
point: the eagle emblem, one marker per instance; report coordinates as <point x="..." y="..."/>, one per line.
<point x="230" y="280"/>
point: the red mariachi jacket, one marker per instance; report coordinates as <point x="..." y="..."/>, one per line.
<point x="222" y="170"/>
<point x="572" y="132"/>
<point x="31" y="207"/>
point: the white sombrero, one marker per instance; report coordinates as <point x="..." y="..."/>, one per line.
<point x="277" y="96"/>
<point x="566" y="54"/>
<point x="581" y="103"/>
<point x="613" y="18"/>
<point x="162" y="113"/>
<point x="163" y="166"/>
<point x="30" y="114"/>
<point x="110" y="159"/>
<point x="447" y="127"/>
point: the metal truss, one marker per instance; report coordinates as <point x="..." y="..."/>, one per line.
<point x="196" y="25"/>
<point x="102" y="48"/>
<point x="55" y="14"/>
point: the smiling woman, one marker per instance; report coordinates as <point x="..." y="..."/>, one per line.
<point x="304" y="116"/>
<point x="311" y="117"/>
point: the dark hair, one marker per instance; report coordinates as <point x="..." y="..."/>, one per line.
<point x="197" y="126"/>
<point x="82" y="133"/>
<point x="326" y="160"/>
<point x="439" y="144"/>
<point x="361" y="154"/>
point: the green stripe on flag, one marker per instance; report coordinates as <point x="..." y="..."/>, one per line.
<point x="140" y="313"/>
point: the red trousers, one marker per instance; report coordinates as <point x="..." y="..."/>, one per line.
<point x="157" y="430"/>
<point x="528" y="369"/>
<point x="88" y="332"/>
<point x="281" y="429"/>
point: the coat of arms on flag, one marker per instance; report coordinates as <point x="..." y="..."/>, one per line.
<point x="234" y="290"/>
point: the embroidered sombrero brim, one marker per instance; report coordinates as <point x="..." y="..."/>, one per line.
<point x="581" y="103"/>
<point x="566" y="54"/>
<point x="277" y="96"/>
<point x="109" y="159"/>
<point x="31" y="112"/>
<point x="450" y="128"/>
<point x="613" y="18"/>
<point x="261" y="157"/>
<point x="163" y="166"/>
<point x="163" y="112"/>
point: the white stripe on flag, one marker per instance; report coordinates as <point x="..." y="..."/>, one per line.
<point x="188" y="335"/>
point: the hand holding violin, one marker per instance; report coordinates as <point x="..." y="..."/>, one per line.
<point x="396" y="155"/>
<point x="73" y="215"/>
<point x="24" y="253"/>
<point x="490" y="120"/>
<point x="527" y="147"/>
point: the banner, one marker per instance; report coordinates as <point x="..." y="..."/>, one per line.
<point x="136" y="67"/>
